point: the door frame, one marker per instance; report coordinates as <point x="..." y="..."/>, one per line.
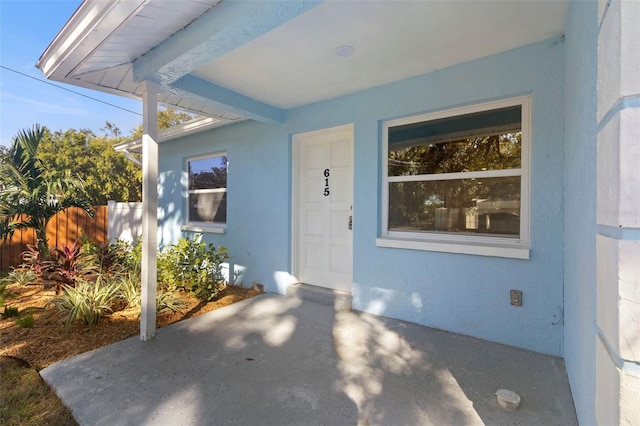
<point x="295" y="192"/>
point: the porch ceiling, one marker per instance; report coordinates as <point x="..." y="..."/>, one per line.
<point x="242" y="59"/>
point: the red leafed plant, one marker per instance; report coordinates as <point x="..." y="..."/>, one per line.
<point x="108" y="258"/>
<point x="31" y="260"/>
<point x="68" y="264"/>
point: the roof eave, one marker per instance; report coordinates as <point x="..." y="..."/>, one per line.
<point x="191" y="127"/>
<point x="89" y="26"/>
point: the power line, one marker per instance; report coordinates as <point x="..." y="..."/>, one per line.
<point x="69" y="90"/>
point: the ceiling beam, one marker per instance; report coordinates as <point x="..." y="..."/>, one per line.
<point x="220" y="97"/>
<point x="229" y="25"/>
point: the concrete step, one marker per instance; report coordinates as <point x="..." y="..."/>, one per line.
<point x="341" y="300"/>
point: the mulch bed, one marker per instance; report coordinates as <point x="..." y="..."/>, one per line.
<point x="47" y="342"/>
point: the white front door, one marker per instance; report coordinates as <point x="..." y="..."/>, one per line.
<point x="323" y="207"/>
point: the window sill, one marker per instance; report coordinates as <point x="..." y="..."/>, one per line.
<point x="210" y="229"/>
<point x="514" y="251"/>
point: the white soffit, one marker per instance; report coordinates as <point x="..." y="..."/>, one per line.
<point x="109" y="33"/>
<point x="191" y="127"/>
<point x="98" y="45"/>
<point x="296" y="63"/>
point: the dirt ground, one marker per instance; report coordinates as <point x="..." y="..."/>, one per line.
<point x="47" y="342"/>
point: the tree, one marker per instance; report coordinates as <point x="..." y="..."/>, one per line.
<point x="107" y="174"/>
<point x="111" y="130"/>
<point x="30" y="193"/>
<point x="166" y="118"/>
<point x="414" y="203"/>
<point x="113" y="176"/>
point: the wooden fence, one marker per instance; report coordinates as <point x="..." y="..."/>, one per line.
<point x="65" y="228"/>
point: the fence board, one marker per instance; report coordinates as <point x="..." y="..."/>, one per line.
<point x="65" y="228"/>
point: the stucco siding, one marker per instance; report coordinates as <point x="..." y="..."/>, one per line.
<point x="461" y="293"/>
<point x="580" y="206"/>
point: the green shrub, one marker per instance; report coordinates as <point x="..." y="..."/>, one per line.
<point x="169" y="271"/>
<point x="132" y="255"/>
<point x="26" y="321"/>
<point x="192" y="265"/>
<point x="86" y="243"/>
<point x="87" y="301"/>
<point x="10" y="311"/>
<point x="209" y="287"/>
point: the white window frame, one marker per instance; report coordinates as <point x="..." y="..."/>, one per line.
<point x="199" y="226"/>
<point x="462" y="243"/>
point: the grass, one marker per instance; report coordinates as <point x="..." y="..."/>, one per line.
<point x="26" y="399"/>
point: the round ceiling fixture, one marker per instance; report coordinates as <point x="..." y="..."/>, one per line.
<point x="345" y="51"/>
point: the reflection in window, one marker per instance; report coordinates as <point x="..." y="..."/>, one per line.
<point x="207" y="193"/>
<point x="488" y="206"/>
<point x="456" y="174"/>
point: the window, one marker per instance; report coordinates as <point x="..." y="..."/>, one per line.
<point x="458" y="177"/>
<point x="207" y="191"/>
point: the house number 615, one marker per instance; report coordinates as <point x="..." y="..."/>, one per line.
<point x="326" y="182"/>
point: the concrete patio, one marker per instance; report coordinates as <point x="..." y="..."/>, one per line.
<point x="277" y="360"/>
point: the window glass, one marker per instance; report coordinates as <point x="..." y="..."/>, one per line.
<point x="207" y="194"/>
<point x="451" y="145"/>
<point x="473" y="206"/>
<point x="456" y="174"/>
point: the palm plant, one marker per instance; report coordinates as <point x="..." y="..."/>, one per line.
<point x="30" y="195"/>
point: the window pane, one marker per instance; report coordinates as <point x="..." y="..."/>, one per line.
<point x="489" y="140"/>
<point x="488" y="206"/>
<point x="208" y="173"/>
<point x="208" y="207"/>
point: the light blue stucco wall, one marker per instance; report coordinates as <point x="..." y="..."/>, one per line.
<point x="258" y="188"/>
<point x="461" y="293"/>
<point x="580" y="205"/>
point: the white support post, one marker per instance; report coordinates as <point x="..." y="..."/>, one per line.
<point x="149" y="209"/>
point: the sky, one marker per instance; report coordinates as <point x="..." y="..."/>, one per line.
<point x="26" y="29"/>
